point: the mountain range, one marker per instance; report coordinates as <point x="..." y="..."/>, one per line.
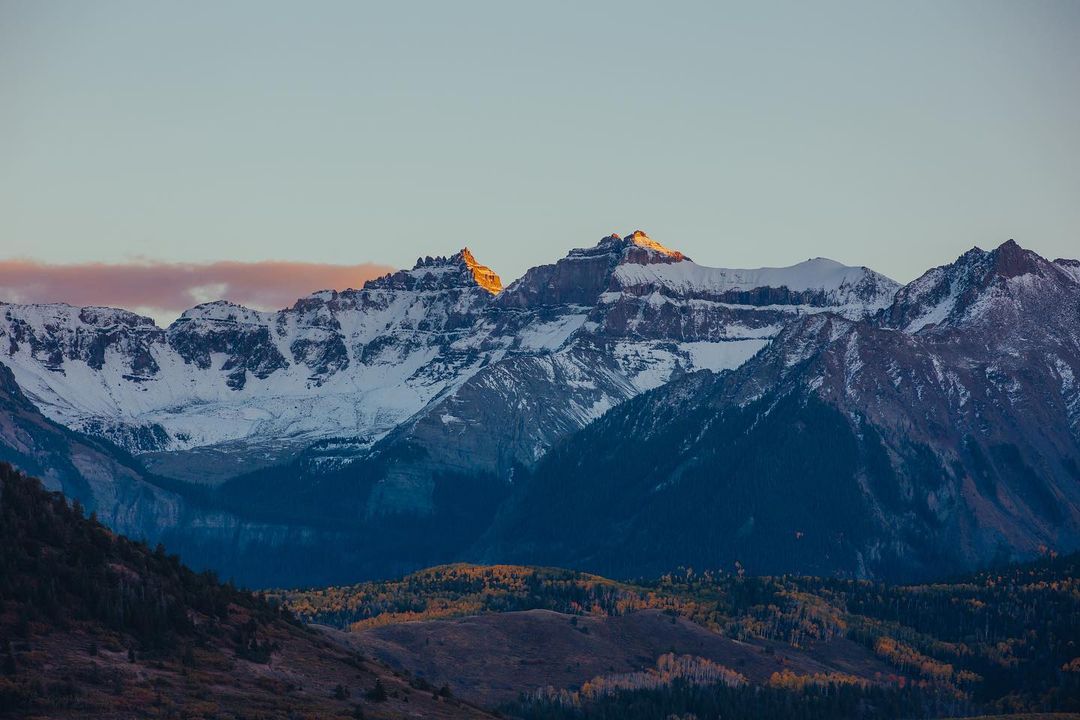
<point x="622" y="410"/>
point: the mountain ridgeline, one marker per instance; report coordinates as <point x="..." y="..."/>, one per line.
<point x="623" y="410"/>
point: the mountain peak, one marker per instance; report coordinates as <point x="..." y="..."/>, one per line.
<point x="1011" y="260"/>
<point x="641" y="239"/>
<point x="637" y="247"/>
<point x="484" y="276"/>
<point x="1007" y="260"/>
<point x="223" y="311"/>
<point x="945" y="294"/>
<point x="460" y="270"/>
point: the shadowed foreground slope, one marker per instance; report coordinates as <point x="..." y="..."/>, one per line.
<point x="94" y="625"/>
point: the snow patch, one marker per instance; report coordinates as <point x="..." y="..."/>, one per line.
<point x="550" y="335"/>
<point x="687" y="277"/>
<point x="717" y="356"/>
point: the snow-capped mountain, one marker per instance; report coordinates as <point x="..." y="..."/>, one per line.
<point x="940" y="434"/>
<point x="852" y="426"/>
<point x="358" y="361"/>
<point x="432" y="347"/>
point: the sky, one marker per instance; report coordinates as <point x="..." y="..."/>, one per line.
<point x="186" y="135"/>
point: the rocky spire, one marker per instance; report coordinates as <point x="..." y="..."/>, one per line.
<point x="484" y="276"/>
<point x="460" y="270"/>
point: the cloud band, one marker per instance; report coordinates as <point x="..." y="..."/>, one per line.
<point x="166" y="289"/>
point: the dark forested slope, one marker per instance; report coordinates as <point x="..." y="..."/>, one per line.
<point x="95" y="625"/>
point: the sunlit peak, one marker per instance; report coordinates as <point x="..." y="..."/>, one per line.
<point x="485" y="277"/>
<point x="641" y="239"/>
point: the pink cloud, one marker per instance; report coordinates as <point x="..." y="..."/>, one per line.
<point x="165" y="289"/>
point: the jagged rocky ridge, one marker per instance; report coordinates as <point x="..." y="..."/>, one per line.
<point x="354" y="365"/>
<point x="359" y="360"/>
<point x="937" y="435"/>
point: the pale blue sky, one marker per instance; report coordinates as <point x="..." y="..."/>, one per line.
<point x="889" y="134"/>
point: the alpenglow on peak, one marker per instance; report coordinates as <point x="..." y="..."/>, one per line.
<point x="641" y="239"/>
<point x="485" y="277"/>
<point x="638" y="247"/>
<point x="458" y="271"/>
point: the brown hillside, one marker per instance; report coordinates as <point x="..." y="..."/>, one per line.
<point x="490" y="658"/>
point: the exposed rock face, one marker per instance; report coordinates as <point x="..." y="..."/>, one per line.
<point x="242" y="336"/>
<point x="484" y="276"/>
<point x="585" y="273"/>
<point x="947" y="295"/>
<point x="52" y="335"/>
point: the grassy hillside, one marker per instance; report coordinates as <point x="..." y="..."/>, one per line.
<point x="494" y="658"/>
<point x="94" y="625"/>
<point x="1002" y="641"/>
